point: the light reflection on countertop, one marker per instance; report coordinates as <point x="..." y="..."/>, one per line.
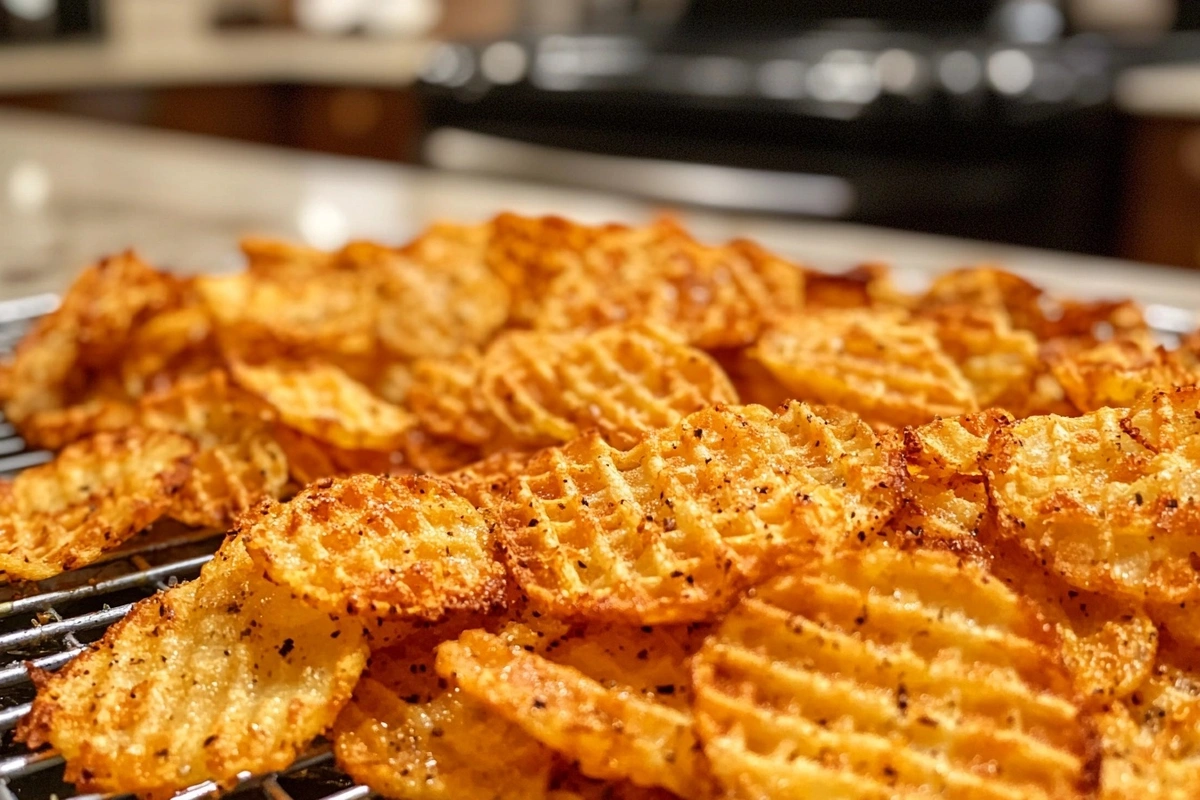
<point x="71" y="191"/>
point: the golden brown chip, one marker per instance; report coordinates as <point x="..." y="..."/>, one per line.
<point x="310" y="459"/>
<point x="94" y="495"/>
<point x="408" y="733"/>
<point x="324" y="402"/>
<point x="174" y="343"/>
<point x="998" y="361"/>
<point x="379" y="547"/>
<point x="72" y="356"/>
<point x="670" y="530"/>
<point x="1118" y="372"/>
<point x="566" y="276"/>
<point x="1166" y="421"/>
<point x="1085" y="499"/>
<point x="269" y="257"/>
<point x="889" y="674"/>
<point x="1151" y="740"/>
<point x="223" y="674"/>
<point x="623" y="381"/>
<point x="612" y="700"/>
<point x="445" y="396"/>
<point x="483" y="482"/>
<point x="1180" y="620"/>
<point x="885" y="367"/>
<point x="239" y="463"/>
<point x="866" y="285"/>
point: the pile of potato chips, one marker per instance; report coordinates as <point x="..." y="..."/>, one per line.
<point x="532" y="509"/>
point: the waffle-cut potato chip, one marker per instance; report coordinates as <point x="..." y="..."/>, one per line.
<point x="409" y="733"/>
<point x="483" y="482"/>
<point x="945" y="502"/>
<point x="223" y="674"/>
<point x="322" y="401"/>
<point x="238" y="463"/>
<point x="866" y="285"/>
<point x="1085" y="499"/>
<point x="1166" y="421"/>
<point x="1108" y="644"/>
<point x="445" y="396"/>
<point x="1118" y="372"/>
<point x="1151" y="740"/>
<point x="884" y="366"/>
<point x="623" y="381"/>
<point x="672" y="529"/>
<point x="565" y="276"/>
<point x="998" y="361"/>
<point x="94" y="495"/>
<point x="72" y="356"/>
<point x="378" y="547"/>
<point x="174" y="343"/>
<point x="310" y="460"/>
<point x="889" y="674"/>
<point x="612" y="729"/>
<point x="440" y="296"/>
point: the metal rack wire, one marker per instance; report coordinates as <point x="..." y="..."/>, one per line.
<point x="48" y="623"/>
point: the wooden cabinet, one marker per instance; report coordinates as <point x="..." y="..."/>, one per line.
<point x="1160" y="214"/>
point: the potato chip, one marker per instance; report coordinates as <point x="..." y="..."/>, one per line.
<point x="408" y="733"/>
<point x="670" y="530"/>
<point x="170" y="344"/>
<point x="574" y="786"/>
<point x="588" y="698"/>
<point x="998" y="361"/>
<point x="624" y="381"/>
<point x="885" y="367"/>
<point x="267" y="257"/>
<point x="1166" y="421"/>
<point x="1086" y="500"/>
<point x="239" y="463"/>
<point x="71" y="356"/>
<point x="223" y="674"/>
<point x="445" y="396"/>
<point x="1109" y="644"/>
<point x="1151" y="740"/>
<point x="1179" y="620"/>
<point x="1118" y="372"/>
<point x="483" y="482"/>
<point x="379" y="547"/>
<point x="322" y="401"/>
<point x="889" y="674"/>
<point x="94" y="495"/>
<point x="866" y="285"/>
<point x="566" y="276"/>
<point x="310" y="459"/>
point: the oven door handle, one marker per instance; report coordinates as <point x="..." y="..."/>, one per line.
<point x="677" y="182"/>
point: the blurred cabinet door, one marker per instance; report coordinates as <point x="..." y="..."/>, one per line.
<point x="1161" y="214"/>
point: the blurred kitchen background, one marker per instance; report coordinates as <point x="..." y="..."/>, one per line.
<point x="1069" y="124"/>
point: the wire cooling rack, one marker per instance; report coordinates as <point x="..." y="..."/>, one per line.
<point x="48" y="623"/>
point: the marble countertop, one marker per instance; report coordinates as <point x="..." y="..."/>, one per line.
<point x="71" y="191"/>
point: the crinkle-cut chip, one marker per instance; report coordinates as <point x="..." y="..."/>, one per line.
<point x="1151" y="739"/>
<point x="331" y="314"/>
<point x="483" y="482"/>
<point x="672" y="529"/>
<point x="1085" y="499"/>
<point x="1118" y="372"/>
<point x="566" y="276"/>
<point x="1108" y="644"/>
<point x="1166" y="421"/>
<point x="426" y="452"/>
<point x="310" y="459"/>
<point x="883" y="365"/>
<point x="409" y="733"/>
<point x="613" y="729"/>
<point x="94" y="495"/>
<point x="71" y="356"/>
<point x="445" y="396"/>
<point x="998" y="361"/>
<point x="889" y="674"/>
<point x="866" y="285"/>
<point x="324" y="402"/>
<point x="239" y="462"/>
<point x="223" y="674"/>
<point x="624" y="381"/>
<point x="379" y="546"/>
<point x="170" y="344"/>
